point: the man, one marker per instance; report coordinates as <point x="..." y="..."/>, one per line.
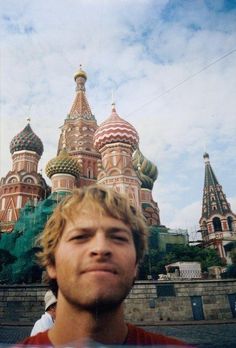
<point x="47" y="319"/>
<point x="91" y="247"/>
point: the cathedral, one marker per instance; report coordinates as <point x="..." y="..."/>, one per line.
<point x="108" y="154"/>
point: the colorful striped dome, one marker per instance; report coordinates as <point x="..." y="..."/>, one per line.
<point x="115" y="130"/>
<point x="26" y="140"/>
<point x="63" y="163"/>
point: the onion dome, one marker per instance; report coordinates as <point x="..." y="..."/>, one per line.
<point x="26" y="140"/>
<point x="115" y="130"/>
<point x="146" y="171"/>
<point x="80" y="73"/>
<point x="63" y="163"/>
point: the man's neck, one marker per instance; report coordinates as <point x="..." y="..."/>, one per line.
<point x="75" y="324"/>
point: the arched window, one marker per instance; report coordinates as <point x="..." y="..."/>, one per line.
<point x="230" y="223"/>
<point x="90" y="173"/>
<point x="29" y="180"/>
<point x="204" y="227"/>
<point x="9" y="214"/>
<point x="217" y="224"/>
<point x="114" y="158"/>
<point x="12" y="180"/>
<point x="3" y="203"/>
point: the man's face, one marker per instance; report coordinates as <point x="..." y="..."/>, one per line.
<point x="95" y="261"/>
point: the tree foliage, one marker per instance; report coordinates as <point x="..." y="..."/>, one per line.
<point x="233" y="256"/>
<point x="154" y="263"/>
<point x="231" y="269"/>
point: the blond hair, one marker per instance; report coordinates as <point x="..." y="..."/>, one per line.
<point x="101" y="199"/>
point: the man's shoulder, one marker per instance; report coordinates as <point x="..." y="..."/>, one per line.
<point x="40" y="339"/>
<point x="138" y="336"/>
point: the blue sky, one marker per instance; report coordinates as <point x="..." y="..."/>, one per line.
<point x="171" y="65"/>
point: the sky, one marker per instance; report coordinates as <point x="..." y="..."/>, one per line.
<point x="171" y="66"/>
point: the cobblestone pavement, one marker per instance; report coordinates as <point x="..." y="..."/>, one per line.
<point x="203" y="336"/>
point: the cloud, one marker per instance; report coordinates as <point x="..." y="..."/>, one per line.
<point x="153" y="56"/>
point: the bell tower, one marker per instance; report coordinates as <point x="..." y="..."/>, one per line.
<point x="78" y="131"/>
<point x="218" y="222"/>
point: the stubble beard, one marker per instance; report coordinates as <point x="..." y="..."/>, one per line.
<point x="102" y="303"/>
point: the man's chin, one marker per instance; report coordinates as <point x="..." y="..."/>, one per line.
<point x="103" y="306"/>
<point x="98" y="298"/>
<point x="104" y="302"/>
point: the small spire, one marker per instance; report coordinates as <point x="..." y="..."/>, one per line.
<point x="113" y="104"/>
<point x="112" y="97"/>
<point x="28" y="119"/>
<point x="206" y="157"/>
<point x="113" y="107"/>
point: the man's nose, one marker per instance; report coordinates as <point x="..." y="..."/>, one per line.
<point x="100" y="245"/>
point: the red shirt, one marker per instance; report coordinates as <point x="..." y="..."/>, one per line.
<point x="136" y="337"/>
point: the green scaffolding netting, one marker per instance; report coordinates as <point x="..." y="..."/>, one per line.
<point x="21" y="242"/>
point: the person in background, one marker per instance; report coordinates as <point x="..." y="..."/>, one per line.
<point x="47" y="319"/>
<point x="91" y="247"/>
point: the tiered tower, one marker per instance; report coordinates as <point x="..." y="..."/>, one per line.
<point x="23" y="182"/>
<point x="78" y="131"/>
<point x="218" y="222"/>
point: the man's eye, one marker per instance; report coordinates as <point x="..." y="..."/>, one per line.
<point x="120" y="238"/>
<point x="80" y="237"/>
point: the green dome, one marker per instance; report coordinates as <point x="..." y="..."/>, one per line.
<point x="63" y="163"/>
<point x="26" y="140"/>
<point x="145" y="170"/>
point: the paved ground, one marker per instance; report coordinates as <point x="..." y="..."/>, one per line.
<point x="203" y="336"/>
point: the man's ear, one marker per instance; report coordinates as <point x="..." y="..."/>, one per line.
<point x="51" y="271"/>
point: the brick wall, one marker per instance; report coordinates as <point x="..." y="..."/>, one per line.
<point x="152" y="302"/>
<point x="21" y="304"/>
<point x="149" y="302"/>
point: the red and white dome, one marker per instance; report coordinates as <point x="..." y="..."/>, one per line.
<point x="115" y="130"/>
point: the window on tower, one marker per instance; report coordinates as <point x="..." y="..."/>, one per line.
<point x="230" y="223"/>
<point x="3" y="203"/>
<point x="9" y="214"/>
<point x="90" y="173"/>
<point x="217" y="224"/>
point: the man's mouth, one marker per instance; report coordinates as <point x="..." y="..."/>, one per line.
<point x="100" y="269"/>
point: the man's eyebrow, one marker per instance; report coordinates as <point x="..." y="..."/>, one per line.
<point x="76" y="229"/>
<point x="119" y="229"/>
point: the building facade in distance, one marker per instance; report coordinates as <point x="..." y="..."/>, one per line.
<point x="218" y="222"/>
